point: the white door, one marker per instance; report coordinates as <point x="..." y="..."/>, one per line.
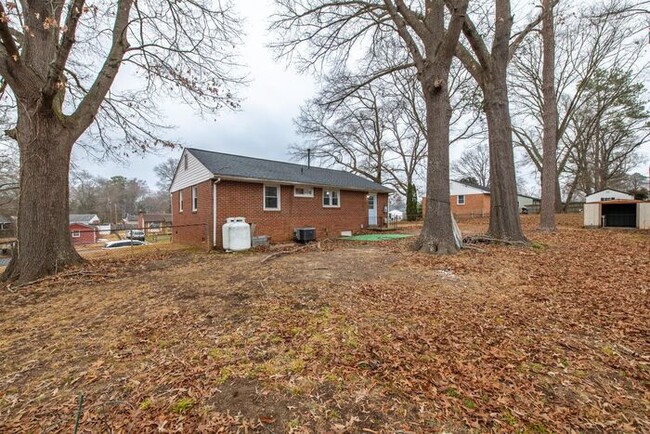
<point x="372" y="209"/>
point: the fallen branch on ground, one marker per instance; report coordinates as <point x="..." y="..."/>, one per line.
<point x="484" y="239"/>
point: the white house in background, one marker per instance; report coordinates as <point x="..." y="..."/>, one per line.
<point x="608" y="194"/>
<point x="85" y="219"/>
<point x="525" y="201"/>
<point x="395" y="214"/>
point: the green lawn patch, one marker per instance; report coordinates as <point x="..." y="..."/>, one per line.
<point x="376" y="237"/>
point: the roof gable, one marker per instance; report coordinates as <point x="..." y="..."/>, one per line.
<point x="238" y="167"/>
<point x="193" y="173"/>
<point x="83" y="218"/>
<point x="461" y="188"/>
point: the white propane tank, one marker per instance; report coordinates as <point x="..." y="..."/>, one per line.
<point x="240" y="235"/>
<point x="225" y="232"/>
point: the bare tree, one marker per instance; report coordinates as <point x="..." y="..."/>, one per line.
<point x="549" y="114"/>
<point x="474" y="163"/>
<point x="59" y="60"/>
<point x="401" y="36"/>
<point x="350" y="134"/>
<point x="489" y="69"/>
<point x="606" y="133"/>
<point x="165" y="172"/>
<point x="584" y="45"/>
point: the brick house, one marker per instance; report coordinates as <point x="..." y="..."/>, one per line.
<point x="82" y="233"/>
<point x="470" y="200"/>
<point x="467" y="200"/>
<point x="275" y="197"/>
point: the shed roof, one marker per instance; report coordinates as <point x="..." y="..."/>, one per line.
<point x="248" y="168"/>
<point x="619" y="201"/>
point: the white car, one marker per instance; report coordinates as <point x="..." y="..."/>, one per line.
<point x="124" y="243"/>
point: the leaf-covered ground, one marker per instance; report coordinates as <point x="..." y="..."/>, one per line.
<point x="351" y="337"/>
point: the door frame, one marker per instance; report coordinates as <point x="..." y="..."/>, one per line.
<point x="376" y="212"/>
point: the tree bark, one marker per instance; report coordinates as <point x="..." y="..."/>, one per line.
<point x="504" y="207"/>
<point x="437" y="234"/>
<point x="558" y="194"/>
<point x="44" y="242"/>
<point x="549" y="114"/>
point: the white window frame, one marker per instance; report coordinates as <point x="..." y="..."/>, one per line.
<point x="458" y="201"/>
<point x="180" y="201"/>
<point x="186" y="163"/>
<point x="338" y="196"/>
<point x="195" y="198"/>
<point x="76" y="234"/>
<point x="279" y="190"/>
<point x="295" y="194"/>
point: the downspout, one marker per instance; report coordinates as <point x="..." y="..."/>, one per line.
<point x="214" y="212"/>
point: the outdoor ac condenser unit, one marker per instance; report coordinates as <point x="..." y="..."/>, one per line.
<point x="304" y="235"/>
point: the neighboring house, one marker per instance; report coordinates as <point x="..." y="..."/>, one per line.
<point x="154" y="222"/>
<point x="608" y="194"/>
<point x="130" y="221"/>
<point x="83" y="233"/>
<point x="469" y="200"/>
<point x="528" y="202"/>
<point x="86" y="219"/>
<point x="396" y="215"/>
<point x="275" y="197"/>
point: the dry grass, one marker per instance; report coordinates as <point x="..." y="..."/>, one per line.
<point x="356" y="336"/>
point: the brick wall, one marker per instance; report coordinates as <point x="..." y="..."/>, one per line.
<point x="477" y="205"/>
<point x="244" y="199"/>
<point x="193" y="227"/>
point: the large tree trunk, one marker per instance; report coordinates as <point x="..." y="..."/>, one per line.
<point x="504" y="207"/>
<point x="549" y="114"/>
<point x="44" y="243"/>
<point x="437" y="234"/>
<point x="558" y="194"/>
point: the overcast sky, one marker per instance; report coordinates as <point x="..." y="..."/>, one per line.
<point x="262" y="128"/>
<point x="264" y="125"/>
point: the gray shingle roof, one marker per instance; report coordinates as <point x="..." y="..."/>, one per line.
<point x="81" y="218"/>
<point x="237" y="166"/>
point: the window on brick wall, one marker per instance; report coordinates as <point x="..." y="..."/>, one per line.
<point x="195" y="198"/>
<point x="303" y="191"/>
<point x="180" y="201"/>
<point x="331" y="199"/>
<point x="460" y="199"/>
<point x="271" y="198"/>
<point x="76" y="234"/>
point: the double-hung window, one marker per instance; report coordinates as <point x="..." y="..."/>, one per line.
<point x="460" y="199"/>
<point x="195" y="198"/>
<point x="180" y="201"/>
<point x="331" y="199"/>
<point x="271" y="198"/>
